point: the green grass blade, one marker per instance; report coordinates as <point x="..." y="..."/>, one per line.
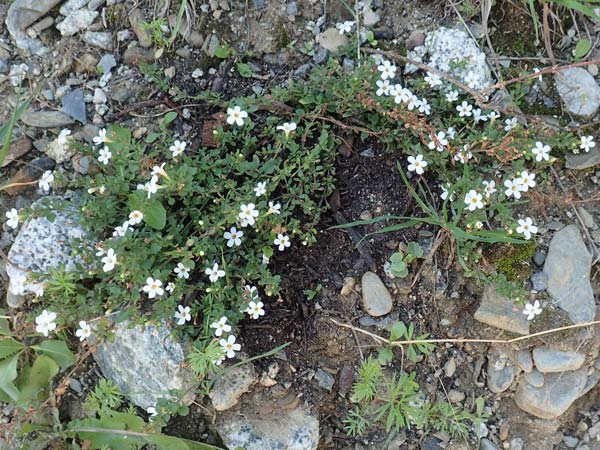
<point x="7" y="129"/>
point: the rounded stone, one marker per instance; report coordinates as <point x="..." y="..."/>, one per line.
<point x="376" y="299"/>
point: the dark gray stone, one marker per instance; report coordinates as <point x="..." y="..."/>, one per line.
<point x="486" y="444"/>
<point x="321" y="57"/>
<point x="539" y="258"/>
<point x="500" y="372"/>
<point x="325" y="379"/>
<point x="74" y="105"/>
<point x="47" y="119"/>
<point x="302" y="71"/>
<point x="583" y="160"/>
<point x="539" y="281"/>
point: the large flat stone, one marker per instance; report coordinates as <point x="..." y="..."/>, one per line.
<point x="501" y="312"/>
<point x="548" y="359"/>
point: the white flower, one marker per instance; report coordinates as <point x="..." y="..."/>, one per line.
<point x="109" y="260"/>
<point x="510" y="124"/>
<point x="587" y="142"/>
<point x="532" y="310"/>
<point x="265" y="260"/>
<point x="287" y="128"/>
<point x="478" y="117"/>
<point x="387" y="69"/>
<point x="183" y="314"/>
<point x="105" y="155"/>
<point x="159" y="170"/>
<point x="84" y="331"/>
<point x="513" y="188"/>
<point x="135" y="217"/>
<point x="282" y="241"/>
<point x="424" y="107"/>
<point x="250" y="292"/>
<point x="170" y="287"/>
<point x="152" y="411"/>
<point x="541" y="151"/>
<point x="452" y="96"/>
<point x="218" y="362"/>
<point x="215" y="273"/>
<point x="463" y="155"/>
<point x="471" y="80"/>
<point x="261" y="188"/>
<point x="236" y="115"/>
<point x="233" y="237"/>
<point x="177" y="148"/>
<point x="230" y="346"/>
<point x="221" y="326"/>
<point x="384" y="87"/>
<point x="101" y="138"/>
<point x="13" y="218"/>
<point x="451" y="132"/>
<point x="464" y="109"/>
<point x="489" y="188"/>
<point x="151" y="187"/>
<point x="255" y="309"/>
<point x="45" y="322"/>
<point x="412" y="102"/>
<point x="345" y="27"/>
<point x="37" y="289"/>
<point x="473" y="200"/>
<point x="62" y="137"/>
<point x="274" y="208"/>
<point x="433" y="80"/>
<point x="248" y="214"/>
<point x="17" y="283"/>
<point x="121" y="230"/>
<point x="526" y="227"/>
<point x="438" y="141"/>
<point x="493" y="115"/>
<point x="527" y="180"/>
<point x="445" y="192"/>
<point x="153" y="287"/>
<point x="182" y="271"/>
<point x="46" y="180"/>
<point x="416" y="164"/>
<point x="536" y="70"/>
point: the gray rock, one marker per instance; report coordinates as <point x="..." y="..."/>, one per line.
<point x="524" y="360"/>
<point x="137" y="20"/>
<point x="14" y="300"/>
<point x="71" y="6"/>
<point x="106" y="63"/>
<point x="146" y="363"/>
<point x="95" y="4"/>
<point x="229" y="387"/>
<point x="263" y="424"/>
<point x="321" y="57"/>
<point x="500" y="374"/>
<point x="486" y="444"/>
<point x="302" y="71"/>
<point x="570" y="441"/>
<point x="76" y="21"/>
<point x="291" y="9"/>
<point x="73" y="104"/>
<point x="46" y="119"/>
<point x="539" y="258"/>
<point x="568" y="267"/>
<point x="211" y="45"/>
<point x="99" y="97"/>
<point x="42" y="244"/>
<point x="455" y="396"/>
<point x="586" y="217"/>
<point x="539" y="281"/>
<point x="370" y="17"/>
<point x="557" y="394"/>
<point x="500" y="312"/>
<point x="134" y="56"/>
<point x="325" y="379"/>
<point x="583" y="161"/>
<point x="579" y="91"/>
<point x="548" y="359"/>
<point x="100" y="39"/>
<point x="332" y="40"/>
<point x="21" y="14"/>
<point x="376" y="299"/>
<point x="535" y="378"/>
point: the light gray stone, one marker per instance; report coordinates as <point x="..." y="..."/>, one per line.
<point x="579" y="91"/>
<point x="46" y="119"/>
<point x="332" y="40"/>
<point x="548" y="359"/>
<point x="42" y="244"/>
<point x="524" y="360"/>
<point x="486" y="444"/>
<point x="455" y="396"/>
<point x="583" y="161"/>
<point x="376" y="299"/>
<point x="557" y="394"/>
<point x="260" y="423"/>
<point x="146" y="363"/>
<point x="500" y="312"/>
<point x="71" y="6"/>
<point x="100" y="39"/>
<point x="500" y="373"/>
<point x="586" y="217"/>
<point x="21" y="14"/>
<point x="106" y="63"/>
<point x="535" y="378"/>
<point x="73" y="104"/>
<point x="325" y="379"/>
<point x="539" y="281"/>
<point x="228" y="388"/>
<point x="567" y="266"/>
<point x="76" y="21"/>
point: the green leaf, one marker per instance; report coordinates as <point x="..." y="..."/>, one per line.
<point x="244" y="70"/>
<point x="9" y="346"/>
<point x="385" y="356"/>
<point x="37" y="377"/>
<point x="155" y="215"/>
<point x="8" y="374"/>
<point x="415" y="249"/>
<point x="169" y="117"/>
<point x="58" y="351"/>
<point x="582" y="48"/>
<point x="152" y="137"/>
<point x="223" y="51"/>
<point x="6" y="132"/>
<point x="398" y="331"/>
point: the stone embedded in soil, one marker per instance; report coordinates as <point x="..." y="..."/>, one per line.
<point x="535" y="378"/>
<point x="332" y="40"/>
<point x="146" y="362"/>
<point x="137" y="55"/>
<point x="539" y="281"/>
<point x="376" y="299"/>
<point x="100" y="39"/>
<point x="579" y="91"/>
<point x="552" y="399"/>
<point x="21" y="14"/>
<point x="42" y="244"/>
<point x="73" y="104"/>
<point x="76" y="21"/>
<point x="500" y="372"/>
<point x="263" y="422"/>
<point x="228" y="388"/>
<point x="548" y="359"/>
<point x="46" y="119"/>
<point x="524" y="360"/>
<point x="583" y="160"/>
<point x="137" y="21"/>
<point x="17" y="148"/>
<point x="486" y="444"/>
<point x="500" y="312"/>
<point x="567" y="266"/>
<point x="325" y="379"/>
<point x="71" y="6"/>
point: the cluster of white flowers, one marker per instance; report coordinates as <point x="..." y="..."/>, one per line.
<point x="397" y="91"/>
<point x="228" y="345"/>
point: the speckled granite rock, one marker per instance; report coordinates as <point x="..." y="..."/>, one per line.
<point x="228" y="388"/>
<point x="147" y="363"/>
<point x="579" y="91"/>
<point x="42" y="244"/>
